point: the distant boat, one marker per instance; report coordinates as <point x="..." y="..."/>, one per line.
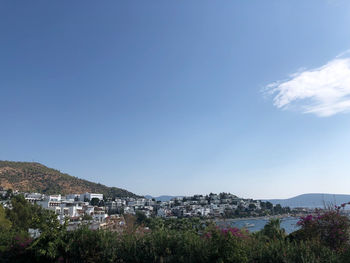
<point x="248" y="225"/>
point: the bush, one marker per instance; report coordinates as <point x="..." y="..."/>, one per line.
<point x="322" y="238"/>
<point x="330" y="228"/>
<point x="284" y="251"/>
<point x="273" y="230"/>
<point x="227" y="245"/>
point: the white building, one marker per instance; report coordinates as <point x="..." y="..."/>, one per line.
<point x="34" y="197"/>
<point x="99" y="217"/>
<point x="89" y="196"/>
<point x="50" y="202"/>
<point x="73" y="197"/>
<point x="89" y="210"/>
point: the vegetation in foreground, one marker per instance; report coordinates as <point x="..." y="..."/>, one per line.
<point x="322" y="238"/>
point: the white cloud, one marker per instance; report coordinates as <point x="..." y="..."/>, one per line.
<point x="323" y="91"/>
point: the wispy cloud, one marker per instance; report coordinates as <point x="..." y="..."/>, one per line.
<point x="323" y="91"/>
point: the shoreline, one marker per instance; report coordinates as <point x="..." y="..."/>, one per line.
<point x="258" y="218"/>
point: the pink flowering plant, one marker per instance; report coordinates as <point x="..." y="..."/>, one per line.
<point x="227" y="244"/>
<point x="236" y="232"/>
<point x="226" y="233"/>
<point x="19" y="247"/>
<point x="330" y="227"/>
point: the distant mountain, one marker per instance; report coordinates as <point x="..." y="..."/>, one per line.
<point x="312" y="200"/>
<point x="35" y="177"/>
<point x="162" y="198"/>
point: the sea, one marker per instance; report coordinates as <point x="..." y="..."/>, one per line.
<point x="253" y="225"/>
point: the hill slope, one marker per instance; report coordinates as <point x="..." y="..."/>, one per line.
<point x="312" y="200"/>
<point x="35" y="177"/>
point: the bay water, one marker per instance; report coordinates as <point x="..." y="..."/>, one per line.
<point x="253" y="225"/>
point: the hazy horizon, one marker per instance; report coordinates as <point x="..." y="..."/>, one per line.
<point x="179" y="98"/>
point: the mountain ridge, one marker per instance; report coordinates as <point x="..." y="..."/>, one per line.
<point x="312" y="200"/>
<point x="36" y="177"/>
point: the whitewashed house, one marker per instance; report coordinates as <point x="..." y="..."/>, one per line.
<point x="89" y="196"/>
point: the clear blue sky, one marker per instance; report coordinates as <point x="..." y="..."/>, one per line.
<point x="180" y="97"/>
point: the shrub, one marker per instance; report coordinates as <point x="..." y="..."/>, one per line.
<point x="273" y="230"/>
<point x="331" y="228"/>
<point x="285" y="251"/>
<point x="227" y="245"/>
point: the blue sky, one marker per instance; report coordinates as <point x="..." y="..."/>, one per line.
<point x="180" y="97"/>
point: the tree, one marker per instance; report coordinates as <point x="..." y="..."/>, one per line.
<point x="5" y="224"/>
<point x="94" y="201"/>
<point x="278" y="209"/>
<point x="273" y="229"/>
<point x="229" y="213"/>
<point x="141" y="218"/>
<point x="287" y="209"/>
<point x="9" y="194"/>
<point x="269" y="205"/>
<point x="20" y="215"/>
<point x="252" y="206"/>
<point x="24" y="215"/>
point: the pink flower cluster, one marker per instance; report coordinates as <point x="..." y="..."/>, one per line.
<point x="21" y="243"/>
<point x="305" y="220"/>
<point x="234" y="231"/>
<point x="226" y="232"/>
<point x="331" y="227"/>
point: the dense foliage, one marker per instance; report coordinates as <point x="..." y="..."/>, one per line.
<point x="35" y="177"/>
<point x="330" y="228"/>
<point x="322" y="238"/>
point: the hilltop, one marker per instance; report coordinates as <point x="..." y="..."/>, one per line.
<point x="35" y="177"/>
<point x="316" y="200"/>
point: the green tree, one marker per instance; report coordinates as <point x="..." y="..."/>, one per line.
<point x="141" y="218"/>
<point x="269" y="205"/>
<point x="5" y="224"/>
<point x="94" y="201"/>
<point x="21" y="213"/>
<point x="51" y="244"/>
<point x="273" y="229"/>
<point x="278" y="209"/>
<point x="252" y="206"/>
<point x="9" y="194"/>
<point x="24" y="215"/>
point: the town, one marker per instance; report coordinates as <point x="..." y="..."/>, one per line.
<point x="100" y="212"/>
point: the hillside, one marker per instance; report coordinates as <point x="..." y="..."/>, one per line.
<point x="312" y="200"/>
<point x="35" y="177"/>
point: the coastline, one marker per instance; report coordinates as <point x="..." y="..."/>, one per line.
<point x="258" y="218"/>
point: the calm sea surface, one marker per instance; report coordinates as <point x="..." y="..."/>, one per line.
<point x="288" y="223"/>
